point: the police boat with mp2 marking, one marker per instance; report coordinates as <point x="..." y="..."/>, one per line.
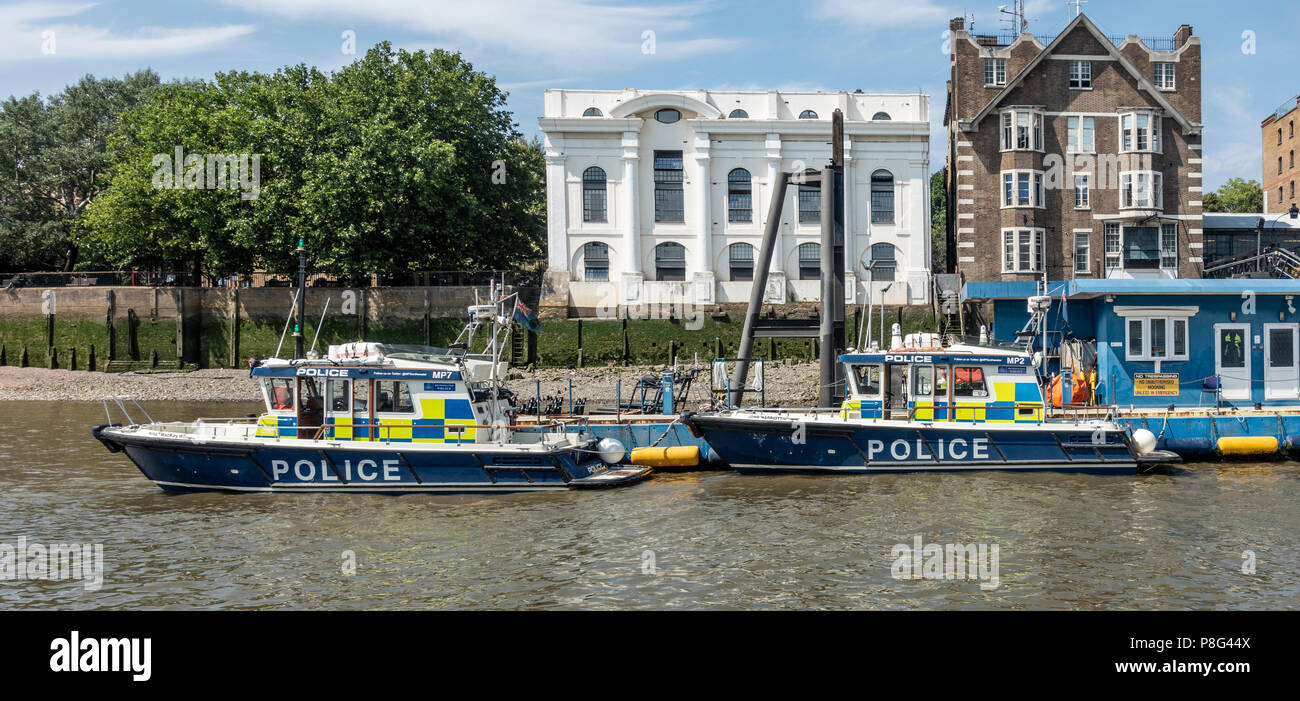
<point x="377" y="418"/>
<point x="924" y="406"/>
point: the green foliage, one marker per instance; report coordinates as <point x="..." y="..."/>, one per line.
<point x="53" y="165"/>
<point x="400" y="161"/>
<point x="1235" y="195"/>
<point x="939" y="219"/>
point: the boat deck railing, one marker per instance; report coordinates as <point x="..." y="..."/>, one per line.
<point x="244" y="427"/>
<point x="979" y="413"/>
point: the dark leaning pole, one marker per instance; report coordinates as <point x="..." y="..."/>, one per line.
<point x="831" y="329"/>
<point x="773" y="225"/>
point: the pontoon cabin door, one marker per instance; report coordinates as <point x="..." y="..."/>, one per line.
<point x="1281" y="361"/>
<point x="1232" y="360"/>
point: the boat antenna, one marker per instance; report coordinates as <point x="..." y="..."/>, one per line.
<point x="322" y="322"/>
<point x="292" y="308"/>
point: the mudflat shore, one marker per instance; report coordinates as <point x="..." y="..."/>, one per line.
<point x="786" y="383"/>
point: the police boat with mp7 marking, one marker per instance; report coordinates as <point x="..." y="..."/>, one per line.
<point x="376" y="418"/>
<point x="923" y="406"/>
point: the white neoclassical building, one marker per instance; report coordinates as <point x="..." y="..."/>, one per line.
<point x="662" y="196"/>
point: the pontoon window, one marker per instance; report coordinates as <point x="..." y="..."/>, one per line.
<point x="969" y="382"/>
<point x="280" y="393"/>
<point x="393" y="398"/>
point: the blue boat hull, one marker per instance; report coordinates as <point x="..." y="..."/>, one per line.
<point x="183" y="466"/>
<point x="763" y="445"/>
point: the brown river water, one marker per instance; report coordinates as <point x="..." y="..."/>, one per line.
<point x="683" y="540"/>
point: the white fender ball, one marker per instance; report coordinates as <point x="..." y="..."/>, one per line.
<point x="1144" y="441"/>
<point x="612" y="451"/>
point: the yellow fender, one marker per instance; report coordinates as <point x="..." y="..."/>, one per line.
<point x="1247" y="445"/>
<point x="672" y="456"/>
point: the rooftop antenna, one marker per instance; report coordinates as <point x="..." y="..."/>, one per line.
<point x="1078" y="10"/>
<point x="1015" y="16"/>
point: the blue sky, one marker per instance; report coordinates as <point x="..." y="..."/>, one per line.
<point x="530" y="45"/>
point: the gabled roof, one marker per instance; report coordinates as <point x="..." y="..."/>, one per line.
<point x="1082" y="20"/>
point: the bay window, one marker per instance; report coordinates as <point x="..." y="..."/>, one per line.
<point x="1022" y="250"/>
<point x="1141" y="189"/>
<point x="1139" y="131"/>
<point x="1022" y="129"/>
<point x="1022" y="188"/>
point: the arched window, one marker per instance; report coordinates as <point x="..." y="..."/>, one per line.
<point x="740" y="197"/>
<point x="593" y="194"/>
<point x="1292" y="159"/>
<point x="807" y="114"/>
<point x="595" y="262"/>
<point x="667" y="116"/>
<point x="882" y="263"/>
<point x="738" y="114"/>
<point x="670" y="262"/>
<point x="880" y="117"/>
<point x="810" y="261"/>
<point x="882" y="197"/>
<point x="593" y="112"/>
<point x="741" y="259"/>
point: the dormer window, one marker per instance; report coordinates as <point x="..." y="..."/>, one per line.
<point x="1164" y="76"/>
<point x="995" y="71"/>
<point x="1022" y="129"/>
<point x="1081" y="75"/>
<point x="668" y="116"/>
<point x="1139" y="131"/>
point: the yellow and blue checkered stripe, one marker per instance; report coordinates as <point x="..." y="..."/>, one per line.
<point x="440" y="421"/>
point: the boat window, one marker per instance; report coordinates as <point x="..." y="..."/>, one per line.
<point x="309" y="396"/>
<point x="922" y="380"/>
<point x="941" y="381"/>
<point x="280" y="393"/>
<point x="360" y="389"/>
<point x="393" y="397"/>
<point x="338" y="392"/>
<point x="867" y="378"/>
<point x="969" y="382"/>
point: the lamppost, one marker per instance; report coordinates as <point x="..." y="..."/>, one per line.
<point x="1259" y="235"/>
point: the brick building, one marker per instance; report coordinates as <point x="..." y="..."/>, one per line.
<point x="1280" y="145"/>
<point x="1078" y="156"/>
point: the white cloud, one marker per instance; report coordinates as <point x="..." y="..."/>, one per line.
<point x="33" y="30"/>
<point x="554" y="32"/>
<point x="883" y="13"/>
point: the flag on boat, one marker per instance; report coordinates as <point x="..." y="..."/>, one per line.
<point x="526" y="316"/>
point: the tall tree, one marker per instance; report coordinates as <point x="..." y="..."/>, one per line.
<point x="400" y="161"/>
<point x="1235" y="195"/>
<point x="53" y="165"/>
